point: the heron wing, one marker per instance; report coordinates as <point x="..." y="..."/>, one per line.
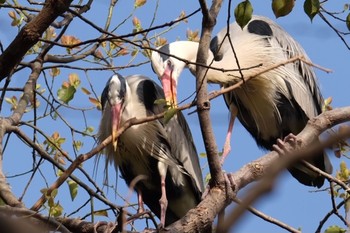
<point x="311" y="105"/>
<point x="176" y="133"/>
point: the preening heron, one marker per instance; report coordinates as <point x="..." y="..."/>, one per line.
<point x="271" y="105"/>
<point x="163" y="153"/>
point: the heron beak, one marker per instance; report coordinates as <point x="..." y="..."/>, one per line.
<point x="116" y="116"/>
<point x="170" y="87"/>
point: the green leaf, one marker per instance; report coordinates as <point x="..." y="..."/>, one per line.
<point x="54" y="193"/>
<point x="203" y="155"/>
<point x="160" y="101"/>
<point x="66" y="93"/>
<point x="59" y="172"/>
<point x="12" y="101"/>
<point x="334" y="229"/>
<point x="243" y="13"/>
<point x="103" y="213"/>
<point x="348" y="21"/>
<point x="77" y="145"/>
<point x="89" y="130"/>
<point x="282" y="7"/>
<point x="56" y="210"/>
<point x="73" y="188"/>
<point x="207" y="178"/>
<point x="169" y="114"/>
<point x="2" y="1"/>
<point x="50" y="202"/>
<point x="311" y="8"/>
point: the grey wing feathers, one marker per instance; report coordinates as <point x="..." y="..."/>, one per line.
<point x="176" y="132"/>
<point x="185" y="149"/>
<point x="311" y="107"/>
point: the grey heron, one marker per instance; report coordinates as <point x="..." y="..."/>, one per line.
<point x="163" y="153"/>
<point x="271" y="105"/>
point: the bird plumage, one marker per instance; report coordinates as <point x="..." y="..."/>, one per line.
<point x="153" y="149"/>
<point x="274" y="103"/>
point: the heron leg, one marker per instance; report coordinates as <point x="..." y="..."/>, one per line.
<point x="163" y="201"/>
<point x="227" y="145"/>
<point x="141" y="208"/>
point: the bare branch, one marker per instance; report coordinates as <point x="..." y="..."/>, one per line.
<point x="269" y="218"/>
<point x="203" y="104"/>
<point x="30" y="34"/>
<point x="308" y="145"/>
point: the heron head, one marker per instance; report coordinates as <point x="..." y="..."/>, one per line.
<point x="114" y="94"/>
<point x="215" y="47"/>
<point x="168" y="69"/>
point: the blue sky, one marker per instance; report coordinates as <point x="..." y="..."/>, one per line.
<point x="290" y="202"/>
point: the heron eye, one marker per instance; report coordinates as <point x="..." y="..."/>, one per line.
<point x="121" y="95"/>
<point x="170" y="64"/>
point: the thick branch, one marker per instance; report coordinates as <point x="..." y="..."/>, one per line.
<point x="7" y="123"/>
<point x="307" y="146"/>
<point x="203" y="104"/>
<point x="13" y="220"/>
<point x="259" y="168"/>
<point x="30" y="34"/>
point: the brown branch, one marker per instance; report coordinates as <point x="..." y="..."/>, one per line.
<point x="268" y="165"/>
<point x="28" y="94"/>
<point x="14" y="219"/>
<point x="7" y="123"/>
<point x="269" y="218"/>
<point x="203" y="104"/>
<point x="47" y="157"/>
<point x="30" y="34"/>
<point x="78" y="225"/>
<point x="335" y="30"/>
<point x="330" y="213"/>
<point x="308" y="145"/>
<point x="5" y="191"/>
<point x="122" y="37"/>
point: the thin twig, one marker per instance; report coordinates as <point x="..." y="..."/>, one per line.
<point x="269" y="218"/>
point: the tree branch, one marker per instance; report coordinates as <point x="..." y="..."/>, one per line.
<point x="308" y="146"/>
<point x="203" y="104"/>
<point x="30" y="34"/>
<point x="269" y="166"/>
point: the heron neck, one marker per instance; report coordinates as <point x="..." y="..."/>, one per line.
<point x="213" y="75"/>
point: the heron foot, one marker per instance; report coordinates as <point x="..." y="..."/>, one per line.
<point x="149" y="230"/>
<point x="160" y="227"/>
<point x="109" y="227"/>
<point x="140" y="210"/>
<point x="229" y="182"/>
<point x="280" y="146"/>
